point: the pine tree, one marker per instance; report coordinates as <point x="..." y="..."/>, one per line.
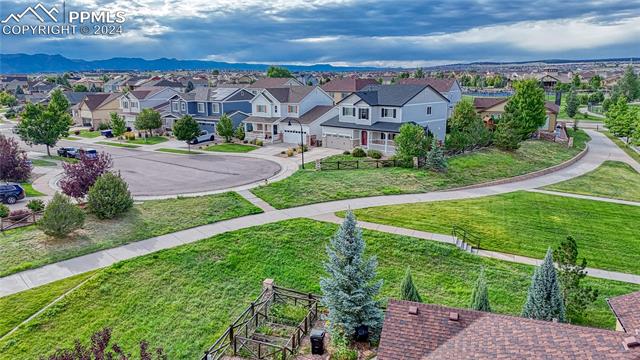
<point x="408" y="290"/>
<point x="480" y="294"/>
<point x="435" y="157"/>
<point x="572" y="104"/>
<point x="544" y="300"/>
<point x="349" y="289"/>
<point x="505" y="137"/>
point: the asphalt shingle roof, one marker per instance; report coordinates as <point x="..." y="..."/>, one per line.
<point x="627" y="310"/>
<point x="347" y="85"/>
<point x="292" y="94"/>
<point x="442" y="85"/>
<point x="389" y="95"/>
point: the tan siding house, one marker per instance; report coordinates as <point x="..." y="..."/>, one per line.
<point x="96" y="109"/>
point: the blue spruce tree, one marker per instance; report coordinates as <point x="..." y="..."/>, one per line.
<point x="544" y="300"/>
<point x="480" y="294"/>
<point x="349" y="289"/>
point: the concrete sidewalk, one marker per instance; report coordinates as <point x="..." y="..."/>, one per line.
<point x="601" y="149"/>
<point x="586" y="197"/>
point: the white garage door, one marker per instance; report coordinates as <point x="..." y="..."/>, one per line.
<point x="293" y="136"/>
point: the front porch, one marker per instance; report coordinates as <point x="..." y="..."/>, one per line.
<point x="267" y="133"/>
<point x="377" y="140"/>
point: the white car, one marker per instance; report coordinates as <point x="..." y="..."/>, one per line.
<point x="204" y="136"/>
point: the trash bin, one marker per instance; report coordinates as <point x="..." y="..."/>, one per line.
<point x="317" y="341"/>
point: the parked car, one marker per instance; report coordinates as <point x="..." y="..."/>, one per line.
<point x="204" y="136"/>
<point x="89" y="153"/>
<point x="69" y="152"/>
<point x="11" y="192"/>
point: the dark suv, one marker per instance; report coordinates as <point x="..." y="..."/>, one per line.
<point x="68" y="152"/>
<point x="10" y="193"/>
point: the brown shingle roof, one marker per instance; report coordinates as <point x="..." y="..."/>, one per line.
<point x="292" y="94"/>
<point x="347" y="85"/>
<point x="442" y="85"/>
<point x="481" y="103"/>
<point x="479" y="335"/>
<point x="270" y="83"/>
<point x="95" y="100"/>
<point x="627" y="310"/>
<point x="312" y="115"/>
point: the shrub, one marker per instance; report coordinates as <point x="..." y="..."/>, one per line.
<point x="109" y="196"/>
<point x="4" y="211"/>
<point x="79" y="177"/>
<point x="35" y="205"/>
<point x="346" y="152"/>
<point x="289" y="152"/>
<point x="104" y="126"/>
<point x="374" y="154"/>
<point x="259" y="142"/>
<point x="10" y="114"/>
<point x="129" y="135"/>
<point x="239" y="133"/>
<point x="358" y="152"/>
<point x="435" y="159"/>
<point x="341" y="350"/>
<point x="61" y="217"/>
<point x="18" y="214"/>
<point x="299" y="148"/>
<point x="412" y="141"/>
<point x="506" y="136"/>
<point x="14" y="164"/>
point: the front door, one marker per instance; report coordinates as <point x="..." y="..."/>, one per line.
<point x="275" y="129"/>
<point x="363" y="138"/>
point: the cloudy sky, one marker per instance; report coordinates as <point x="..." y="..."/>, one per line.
<point x="350" y="32"/>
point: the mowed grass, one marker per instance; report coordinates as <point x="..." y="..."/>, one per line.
<point x="182" y="299"/>
<point x="88" y="134"/>
<point x="624" y="146"/>
<point x="526" y="223"/>
<point x="28" y="247"/>
<point x="40" y="162"/>
<point x="232" y="148"/>
<point x="151" y="140"/>
<point x="310" y="186"/>
<point x="612" y="179"/>
<point x="118" y="144"/>
<point x="179" y="151"/>
<point x="24" y="304"/>
<point x="30" y="191"/>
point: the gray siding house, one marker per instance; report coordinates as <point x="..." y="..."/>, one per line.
<point x="371" y="118"/>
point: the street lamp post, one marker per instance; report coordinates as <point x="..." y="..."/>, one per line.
<point x="301" y="139"/>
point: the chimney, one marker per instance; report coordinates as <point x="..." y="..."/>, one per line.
<point x="413" y="310"/>
<point x="454" y="316"/>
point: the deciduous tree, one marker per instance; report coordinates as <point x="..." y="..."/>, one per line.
<point x="186" y="129"/>
<point x="412" y="141"/>
<point x="79" y="177"/>
<point x="224" y="127"/>
<point x="14" y="164"/>
<point x="118" y="125"/>
<point x="148" y="120"/>
<point x="45" y="126"/>
<point x="278" y="72"/>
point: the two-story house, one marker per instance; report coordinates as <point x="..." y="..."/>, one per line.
<point x="448" y="87"/>
<point x="341" y="88"/>
<point x="132" y="102"/>
<point x="275" y="113"/>
<point x="96" y="109"/>
<point x="371" y="118"/>
<point x="207" y="104"/>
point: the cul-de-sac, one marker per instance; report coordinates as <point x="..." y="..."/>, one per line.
<point x="319" y="180"/>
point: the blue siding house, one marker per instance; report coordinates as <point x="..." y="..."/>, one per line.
<point x="207" y="104"/>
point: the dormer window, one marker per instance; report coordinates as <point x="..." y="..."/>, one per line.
<point x="388" y="113"/>
<point x="363" y="114"/>
<point x="348" y="111"/>
<point x="215" y="107"/>
<point x="292" y="108"/>
<point x="201" y="107"/>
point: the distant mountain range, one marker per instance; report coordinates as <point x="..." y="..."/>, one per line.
<point x="42" y="63"/>
<point x="26" y="64"/>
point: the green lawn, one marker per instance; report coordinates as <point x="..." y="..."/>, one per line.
<point x="28" y="247"/>
<point x="235" y="148"/>
<point x="71" y="138"/>
<point x="310" y="186"/>
<point x="622" y="145"/>
<point x="24" y="304"/>
<point x="182" y="299"/>
<point x="30" y="191"/>
<point x="612" y="179"/>
<point x="179" y="151"/>
<point x="527" y="223"/>
<point x="60" y="158"/>
<point x="40" y="162"/>
<point x="151" y="140"/>
<point x="118" y="144"/>
<point x="88" y="134"/>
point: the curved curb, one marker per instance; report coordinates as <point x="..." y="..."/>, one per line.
<point x="528" y="176"/>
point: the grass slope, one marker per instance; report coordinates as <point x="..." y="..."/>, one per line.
<point x="28" y="247"/>
<point x="527" y="224"/>
<point x="182" y="299"/>
<point x="310" y="186"/>
<point x="612" y="179"/>
<point x="234" y="148"/>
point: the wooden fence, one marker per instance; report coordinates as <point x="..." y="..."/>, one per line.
<point x="13" y="222"/>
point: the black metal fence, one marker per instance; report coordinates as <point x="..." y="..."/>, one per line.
<point x="361" y="164"/>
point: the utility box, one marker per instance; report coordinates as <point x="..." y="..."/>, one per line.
<point x="317" y="341"/>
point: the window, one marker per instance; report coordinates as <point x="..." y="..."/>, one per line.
<point x="200" y="107"/>
<point x="261" y="108"/>
<point x="348" y="111"/>
<point x="383" y="136"/>
<point x="388" y="113"/>
<point x="125" y="104"/>
<point x="249" y="127"/>
<point x="183" y="106"/>
<point x="275" y="108"/>
<point x="134" y="104"/>
<point x="428" y="110"/>
<point x="215" y="107"/>
<point x="292" y="108"/>
<point x="174" y="106"/>
<point x="363" y="114"/>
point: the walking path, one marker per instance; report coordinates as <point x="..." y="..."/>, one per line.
<point x="587" y="197"/>
<point x="601" y="149"/>
<point x="449" y="239"/>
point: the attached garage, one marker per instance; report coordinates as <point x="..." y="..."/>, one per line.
<point x="292" y="135"/>
<point x="335" y="141"/>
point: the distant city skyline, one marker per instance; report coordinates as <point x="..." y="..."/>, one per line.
<point x="348" y="32"/>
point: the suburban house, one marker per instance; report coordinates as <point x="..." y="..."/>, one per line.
<point x="268" y="82"/>
<point x="341" y="88"/>
<point x="89" y="83"/>
<point x="96" y="108"/>
<point x="448" y="87"/>
<point x="207" y="104"/>
<point x="372" y="117"/>
<point x="11" y="82"/>
<point x="132" y="102"/>
<point x="417" y="331"/>
<point x="274" y="108"/>
<point x="491" y="108"/>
